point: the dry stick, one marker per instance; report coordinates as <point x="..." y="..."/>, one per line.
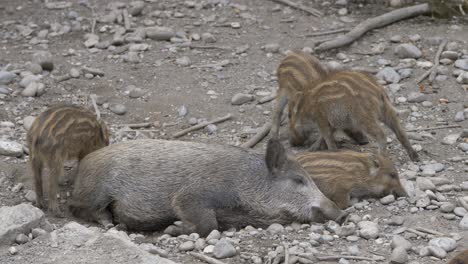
<point x="258" y="137"/>
<point x="93" y="101"/>
<point x="432" y="70"/>
<point x="126" y="19"/>
<point x="373" y="23"/>
<point x="421" y="234"/>
<point x="309" y="10"/>
<point x="210" y="47"/>
<point x="286" y="253"/>
<point x="432" y="128"/>
<point x="137" y="125"/>
<point x="205" y="258"/>
<point x="202" y="125"/>
<point x="337" y="257"/>
<point x="430" y="231"/>
<point x="267" y="99"/>
<point x="328" y="32"/>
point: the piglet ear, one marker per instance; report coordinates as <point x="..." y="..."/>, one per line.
<point x="374" y="163"/>
<point x="276" y="156"/>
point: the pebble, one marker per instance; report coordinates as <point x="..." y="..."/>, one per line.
<point x="346" y="230"/>
<point x="459" y="116"/>
<point x="208" y="249"/>
<point x="211" y="129"/>
<point x="36" y="232"/>
<point x="423" y="202"/>
<point x="368" y="229"/>
<point x="389" y="75"/>
<point x="208" y="37"/>
<point x="136" y="92"/>
<point x="4" y="89"/>
<point x="31" y="196"/>
<point x="416" y="97"/>
<point x="464" y="186"/>
<point x="463" y="78"/>
<point x="159" y="33"/>
<point x="187" y="246"/>
<point x="272" y="47"/>
<point x="425" y="184"/>
<point x="405" y="73"/>
<point x="437" y="252"/>
<point x="118" y="109"/>
<point x="399" y="241"/>
<point x="448" y="54"/>
<point x="460" y="211"/>
<point x="396" y="38"/>
<point x="446" y="243"/>
<point x="75" y="73"/>
<point x="44" y="59"/>
<point x="29" y="79"/>
<point x="34" y="68"/>
<point x="447" y="207"/>
<point x="12" y="250"/>
<point x="224" y="249"/>
<point x="387" y="199"/>
<point x="437" y="167"/>
<point x="183" y="61"/>
<point x="462" y="64"/>
<point x="396" y="220"/>
<point x="6" y="77"/>
<point x="453" y="46"/>
<point x="11" y="148"/>
<point x="275" y="228"/>
<point x="32" y="89"/>
<point x="450" y="139"/>
<point x="241" y="98"/>
<point x="89" y="75"/>
<point x="407" y="50"/>
<point x="399" y="256"/>
<point x="463" y="146"/>
<point x="22" y="239"/>
<point x="28" y="121"/>
<point x="183" y="111"/>
<point x="136" y="8"/>
<point x="464" y="223"/>
<point x="17" y="187"/>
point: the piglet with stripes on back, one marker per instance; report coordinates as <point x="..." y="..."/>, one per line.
<point x="61" y="133"/>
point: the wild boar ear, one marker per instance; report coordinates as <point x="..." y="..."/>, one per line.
<point x="374" y="164"/>
<point x="276" y="156"/>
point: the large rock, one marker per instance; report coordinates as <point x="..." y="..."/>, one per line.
<point x="389" y="75"/>
<point x="6" y="77"/>
<point x="11" y="148"/>
<point x="74" y="243"/>
<point x="19" y="219"/>
<point x="408" y="51"/>
<point x="446" y="243"/>
<point x="224" y="249"/>
<point x="368" y="229"/>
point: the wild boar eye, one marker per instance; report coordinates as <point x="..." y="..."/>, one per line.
<point x="394" y="175"/>
<point x="299" y="181"/>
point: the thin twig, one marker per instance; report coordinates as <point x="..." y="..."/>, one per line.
<point x="209" y="47"/>
<point x="126" y="19"/>
<point x="412" y="230"/>
<point x="137" y="125"/>
<point x="286" y="253"/>
<point x="205" y="258"/>
<point x="202" y="125"/>
<point x="139" y="130"/>
<point x="258" y="137"/>
<point x="63" y="78"/>
<point x="430" y="231"/>
<point x="96" y="109"/>
<point x="337" y="257"/>
<point x="432" y="128"/>
<point x="267" y="99"/>
<point x="373" y="23"/>
<point x="432" y="71"/>
<point x="328" y="32"/>
<point x="299" y="6"/>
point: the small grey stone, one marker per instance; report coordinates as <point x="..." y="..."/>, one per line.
<point x="272" y="47"/>
<point x="74" y="73"/>
<point x="399" y="256"/>
<point x="136" y="92"/>
<point x="463" y="78"/>
<point x="211" y="129"/>
<point x="224" y="249"/>
<point x="459" y="116"/>
<point x="200" y="244"/>
<point x="11" y="148"/>
<point x="208" y="37"/>
<point x="118" y="109"/>
<point x="462" y="64"/>
<point x="387" y="199"/>
<point x="29" y="79"/>
<point x="450" y="139"/>
<point x="34" y="68"/>
<point x="437" y="252"/>
<point x="407" y="50"/>
<point x="6" y="77"/>
<point x="187" y="246"/>
<point x="405" y="73"/>
<point x="460" y="211"/>
<point x="452" y="46"/>
<point x="240" y="98"/>
<point x="45" y="59"/>
<point x="215" y="234"/>
<point x="425" y="184"/>
<point x="463" y="146"/>
<point x="31" y="196"/>
<point x="447" y="207"/>
<point x="464" y="223"/>
<point x="396" y="220"/>
<point x="193" y="121"/>
<point x="437" y="167"/>
<point x="31" y="90"/>
<point x="346" y="230"/>
<point x="448" y="54"/>
<point x="396" y="38"/>
<point x="464" y="186"/>
<point x="389" y="75"/>
<point x="275" y="228"/>
<point x="22" y="239"/>
<point x="368" y="229"/>
<point x="446" y="243"/>
<point x="12" y="250"/>
<point x="416" y="97"/>
<point x="4" y="89"/>
<point x="28" y="121"/>
<point x="183" y="111"/>
<point x="423" y="202"/>
<point x="208" y="249"/>
<point x="136" y="8"/>
<point x="399" y="241"/>
<point x="36" y="232"/>
<point x="183" y="61"/>
<point x="89" y="75"/>
<point x="159" y="33"/>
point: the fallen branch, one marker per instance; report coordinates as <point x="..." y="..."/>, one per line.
<point x="430" y="231"/>
<point x="299" y="6"/>
<point x="126" y="19"/>
<point x="63" y="78"/>
<point x="258" y="137"/>
<point x="93" y="71"/>
<point x="412" y="230"/>
<point x="338" y="257"/>
<point x="209" y="47"/>
<point x="96" y="109"/>
<point x="286" y="253"/>
<point x="205" y="258"/>
<point x="373" y="23"/>
<point x="432" y="128"/>
<point x="137" y="125"/>
<point x="267" y="99"/>
<point x="432" y="71"/>
<point x="202" y="125"/>
<point x="328" y="32"/>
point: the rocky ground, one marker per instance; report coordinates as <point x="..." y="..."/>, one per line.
<point x="173" y="64"/>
